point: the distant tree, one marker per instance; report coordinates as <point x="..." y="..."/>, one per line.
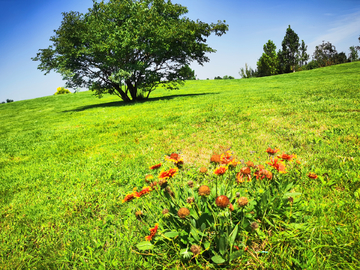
<point x="9" y="100"/>
<point x="304" y="57"/>
<point x="61" y="91"/>
<point x="217" y="78"/>
<point x="186" y="73"/>
<point x="127" y="48"/>
<point x="353" y="55"/>
<point x="268" y="63"/>
<point x="290" y="51"/>
<point x="3" y="102"/>
<point x="311" y="65"/>
<point x="248" y="72"/>
<point x="324" y="54"/>
<point x="226" y="77"/>
<point x="340" y="58"/>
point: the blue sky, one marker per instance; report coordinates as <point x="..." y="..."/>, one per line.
<point x="26" y="26"/>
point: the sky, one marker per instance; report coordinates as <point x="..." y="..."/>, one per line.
<point x="26" y="26"/>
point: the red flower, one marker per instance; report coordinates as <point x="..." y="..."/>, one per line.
<point x="168" y="174"/>
<point x="226" y="158"/>
<point x="128" y="197"/>
<point x="175" y="158"/>
<point x="155" y="166"/>
<point x="262" y="174"/>
<point x="145" y="190"/>
<point x="272" y="151"/>
<point x="220" y="171"/>
<point x="312" y="175"/>
<point x="286" y="157"/>
<point x="152" y="232"/>
<point x="277" y="165"/>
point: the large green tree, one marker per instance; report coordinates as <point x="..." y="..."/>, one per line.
<point x="268" y="63"/>
<point x="303" y="56"/>
<point x="325" y="54"/>
<point x="127" y="47"/>
<point x="289" y="55"/>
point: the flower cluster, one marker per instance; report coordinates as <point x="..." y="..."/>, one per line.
<point x="175" y="158"/>
<point x="136" y="194"/>
<point x="168" y="174"/>
<point x="277" y="164"/>
<point x="152" y="232"/>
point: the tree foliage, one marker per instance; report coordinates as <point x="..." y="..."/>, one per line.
<point x="325" y="54"/>
<point x="268" y="63"/>
<point x="353" y="55"/>
<point x="127" y="47"/>
<point x="304" y="57"/>
<point x="186" y="73"/>
<point x="289" y="55"/>
<point x="248" y="72"/>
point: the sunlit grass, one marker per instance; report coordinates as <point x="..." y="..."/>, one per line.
<point x="67" y="161"/>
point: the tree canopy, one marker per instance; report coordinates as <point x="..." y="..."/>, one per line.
<point x="289" y="56"/>
<point x="324" y="54"/>
<point x="268" y="63"/>
<point x="127" y="47"/>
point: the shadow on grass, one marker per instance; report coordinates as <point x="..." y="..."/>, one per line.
<point x="122" y="103"/>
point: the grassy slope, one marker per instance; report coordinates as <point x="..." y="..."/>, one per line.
<point x="67" y="161"/>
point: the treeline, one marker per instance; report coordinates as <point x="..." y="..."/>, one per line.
<point x="7" y="101"/>
<point x="294" y="57"/>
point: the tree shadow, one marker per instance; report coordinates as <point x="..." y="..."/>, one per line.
<point x="123" y="103"/>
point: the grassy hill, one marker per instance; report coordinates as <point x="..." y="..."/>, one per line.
<point x="67" y="161"/>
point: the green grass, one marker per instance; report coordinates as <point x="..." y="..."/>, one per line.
<point x="67" y="161"/>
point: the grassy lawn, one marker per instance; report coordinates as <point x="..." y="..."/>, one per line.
<point x="67" y="162"/>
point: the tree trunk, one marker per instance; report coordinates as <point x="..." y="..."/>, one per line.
<point x="122" y="94"/>
<point x="132" y="89"/>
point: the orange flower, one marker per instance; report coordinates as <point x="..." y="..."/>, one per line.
<point x="272" y="151"/>
<point x="152" y="232"/>
<point x="145" y="190"/>
<point x="226" y="158"/>
<point x="175" y="158"/>
<point x="262" y="174"/>
<point x="155" y="166"/>
<point x="222" y="201"/>
<point x="233" y="163"/>
<point x="148" y="177"/>
<point x="245" y="170"/>
<point x="231" y="207"/>
<point x="128" y="197"/>
<point x="240" y="177"/>
<point x="220" y="171"/>
<point x="277" y="165"/>
<point x="312" y="175"/>
<point x="250" y="164"/>
<point x="183" y="212"/>
<point x="286" y="157"/>
<point x="168" y="174"/>
<point x="215" y="158"/>
<point x="204" y="190"/>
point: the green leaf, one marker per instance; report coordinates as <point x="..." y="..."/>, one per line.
<point x="145" y="245"/>
<point x="207" y="245"/>
<point x="233" y="235"/>
<point x="217" y="259"/>
<point x="289" y="194"/>
<point x="222" y="245"/>
<point x="195" y="234"/>
<point x="236" y="254"/>
<point x="171" y="234"/>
